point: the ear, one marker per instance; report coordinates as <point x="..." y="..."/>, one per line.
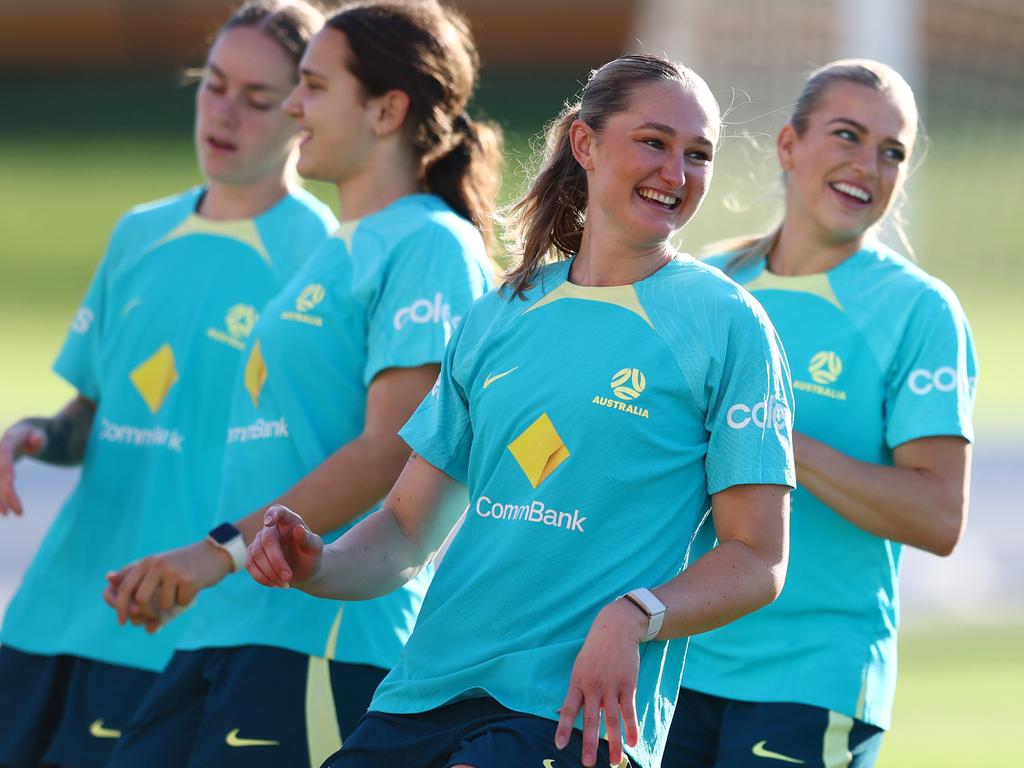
<point x="581" y="141"/>
<point x="388" y="112"/>
<point x="785" y="144"/>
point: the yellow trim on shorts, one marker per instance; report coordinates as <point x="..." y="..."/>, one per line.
<point x="835" y="748"/>
<point x="323" y="736"/>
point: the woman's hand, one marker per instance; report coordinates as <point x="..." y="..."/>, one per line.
<point x="152" y="590"/>
<point x="604" y="678"/>
<point x="285" y="550"/>
<point x="22" y="439"/>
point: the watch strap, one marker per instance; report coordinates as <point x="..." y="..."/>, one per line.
<point x="235" y="548"/>
<point x="645" y="600"/>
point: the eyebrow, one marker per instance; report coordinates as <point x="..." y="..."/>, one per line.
<point x="247" y="86"/>
<point x="307" y="72"/>
<point x="672" y="132"/>
<point x="862" y="128"/>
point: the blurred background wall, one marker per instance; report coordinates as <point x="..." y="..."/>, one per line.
<point x="93" y="119"/>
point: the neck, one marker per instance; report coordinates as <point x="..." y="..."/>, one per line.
<point x="800" y="250"/>
<point x="604" y="261"/>
<point x="226" y="201"/>
<point x="380" y="181"/>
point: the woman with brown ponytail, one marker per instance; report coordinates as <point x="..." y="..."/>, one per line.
<point x="151" y="354"/>
<point x="335" y="366"/>
<point x="596" y="407"/>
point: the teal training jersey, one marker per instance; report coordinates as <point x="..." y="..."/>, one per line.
<point x="385" y="292"/>
<point x="881" y="354"/>
<point x="591" y="425"/>
<point x="156" y="342"/>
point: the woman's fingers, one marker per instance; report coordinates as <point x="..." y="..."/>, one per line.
<point x="627" y="704"/>
<point x="567" y="715"/>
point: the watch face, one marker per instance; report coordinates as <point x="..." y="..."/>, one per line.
<point x="224" y="533"/>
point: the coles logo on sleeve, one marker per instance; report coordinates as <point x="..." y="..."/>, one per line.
<point x="741" y="415"/>
<point x="423" y="311"/>
<point x="83" y="320"/>
<point x="945" y="379"/>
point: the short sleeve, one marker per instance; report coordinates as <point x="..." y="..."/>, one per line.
<point x="931" y="387"/>
<point x="433" y="278"/>
<point x="750" y="416"/>
<point x="440" y="430"/>
<point x="78" y="361"/>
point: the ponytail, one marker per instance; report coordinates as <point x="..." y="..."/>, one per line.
<point x="467" y="175"/>
<point x="548" y="221"/>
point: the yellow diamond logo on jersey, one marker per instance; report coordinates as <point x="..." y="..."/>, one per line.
<point x="311" y="295"/>
<point x="255" y="374"/>
<point x="825" y="367"/>
<point x="539" y="450"/>
<point x="240" y="320"/>
<point x="628" y="383"/>
<point x="155" y="377"/>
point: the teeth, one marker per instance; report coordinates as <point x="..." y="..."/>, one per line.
<point x="658" y="197"/>
<point x="852" y="191"/>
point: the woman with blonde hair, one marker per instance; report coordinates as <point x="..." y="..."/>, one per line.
<point x="884" y="374"/>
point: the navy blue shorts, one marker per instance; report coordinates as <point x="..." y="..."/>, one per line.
<point x="478" y="732"/>
<point x="64" y="710"/>
<point x="213" y="707"/>
<point x="712" y="732"/>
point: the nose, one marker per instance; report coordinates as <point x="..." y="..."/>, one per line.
<point x="292" y="105"/>
<point x="225" y="110"/>
<point x="673" y="170"/>
<point x="866" y="161"/>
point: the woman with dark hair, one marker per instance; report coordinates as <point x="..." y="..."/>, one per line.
<point x="152" y="351"/>
<point x="884" y="372"/>
<point x="596" y="407"/>
<point x="335" y="366"/>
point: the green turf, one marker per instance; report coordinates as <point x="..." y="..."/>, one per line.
<point x="958" y="699"/>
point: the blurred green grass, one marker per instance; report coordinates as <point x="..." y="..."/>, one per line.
<point x="60" y="197"/>
<point x="958" y="701"/>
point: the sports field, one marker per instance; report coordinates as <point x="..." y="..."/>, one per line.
<point x="61" y="196"/>
<point x="958" y="702"/>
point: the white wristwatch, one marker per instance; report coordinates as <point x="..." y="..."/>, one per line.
<point x="227" y="537"/>
<point x="645" y="600"/>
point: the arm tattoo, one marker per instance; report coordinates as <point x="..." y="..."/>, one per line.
<point x="66" y="433"/>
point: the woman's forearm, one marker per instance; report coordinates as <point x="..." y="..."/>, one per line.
<point x="728" y="582"/>
<point x="373" y="558"/>
<point x="345" y="485"/>
<point x="922" y="503"/>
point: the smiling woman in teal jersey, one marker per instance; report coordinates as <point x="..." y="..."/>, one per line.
<point x="337" y="363"/>
<point x="884" y="371"/>
<point x="586" y="405"/>
<point x="152" y="352"/>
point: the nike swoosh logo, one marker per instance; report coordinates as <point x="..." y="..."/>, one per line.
<point x="96" y="730"/>
<point x="136" y="302"/>
<point x="760" y="751"/>
<point x="490" y="380"/>
<point x="234" y="740"/>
